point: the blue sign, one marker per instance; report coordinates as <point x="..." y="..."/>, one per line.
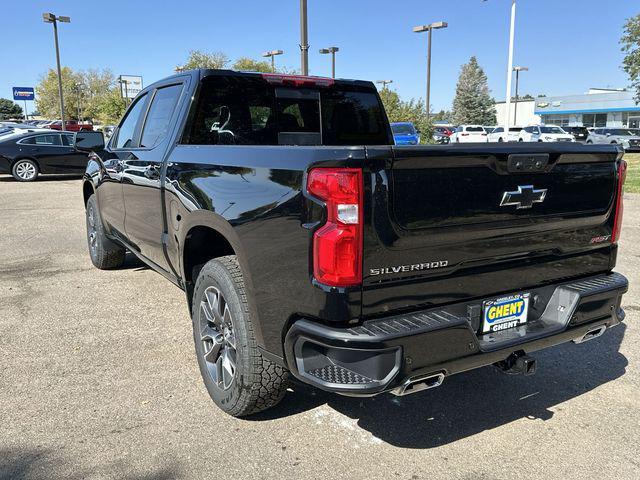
<point x="23" y="93"/>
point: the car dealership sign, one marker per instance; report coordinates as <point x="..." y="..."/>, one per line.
<point x="23" y="93"/>
<point x="130" y="85"/>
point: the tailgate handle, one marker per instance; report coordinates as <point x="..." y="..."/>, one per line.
<point x="527" y="162"/>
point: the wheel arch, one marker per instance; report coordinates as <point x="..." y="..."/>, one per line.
<point x="205" y="236"/>
<point x="87" y="190"/>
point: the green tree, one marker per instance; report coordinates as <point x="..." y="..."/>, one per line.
<point x="200" y="59"/>
<point x="88" y="95"/>
<point x="473" y="103"/>
<point x="630" y="42"/>
<point x="9" y="110"/>
<point x="246" y="64"/>
<point x="413" y="111"/>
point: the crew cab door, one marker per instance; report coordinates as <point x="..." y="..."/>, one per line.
<point x="141" y="175"/>
<point x="119" y="150"/>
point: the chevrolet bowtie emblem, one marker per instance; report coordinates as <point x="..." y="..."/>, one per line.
<point x="524" y="197"/>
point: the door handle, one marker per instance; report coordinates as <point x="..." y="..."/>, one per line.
<point x="152" y="172"/>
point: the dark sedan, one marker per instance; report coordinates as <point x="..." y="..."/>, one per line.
<point x="27" y="155"/>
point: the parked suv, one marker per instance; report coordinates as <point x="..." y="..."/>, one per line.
<point x="544" y="133"/>
<point x="497" y="134"/>
<point x="308" y="244"/>
<point x="405" y="133"/>
<point x="468" y="134"/>
<point x="621" y="136"/>
<point x="580" y="134"/>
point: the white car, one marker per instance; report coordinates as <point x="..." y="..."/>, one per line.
<point x="468" y="134"/>
<point x="498" y="134"/>
<point x="545" y="133"/>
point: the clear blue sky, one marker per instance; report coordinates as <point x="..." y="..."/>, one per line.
<point x="569" y="45"/>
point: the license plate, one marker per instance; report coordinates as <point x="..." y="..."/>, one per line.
<point x="505" y="312"/>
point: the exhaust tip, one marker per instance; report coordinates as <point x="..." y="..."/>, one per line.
<point x="419" y="383"/>
<point x="591" y="334"/>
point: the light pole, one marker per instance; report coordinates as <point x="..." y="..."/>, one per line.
<point x="332" y="51"/>
<point x="272" y="54"/>
<point x="510" y="69"/>
<point x="384" y="83"/>
<point x="515" y="104"/>
<point x="51" y="18"/>
<point x="429" y="28"/>
<point x="304" y="41"/>
<point x="79" y="91"/>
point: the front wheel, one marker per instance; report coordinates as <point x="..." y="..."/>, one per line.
<point x="238" y="378"/>
<point x="500" y="140"/>
<point x="25" y="170"/>
<point x="520" y="140"/>
<point x="105" y="253"/>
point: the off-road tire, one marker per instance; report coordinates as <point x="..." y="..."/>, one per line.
<point x="258" y="383"/>
<point x="105" y="253"/>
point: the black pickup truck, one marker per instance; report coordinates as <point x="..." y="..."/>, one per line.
<point x="309" y="245"/>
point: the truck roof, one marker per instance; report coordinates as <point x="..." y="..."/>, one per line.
<point x="288" y="79"/>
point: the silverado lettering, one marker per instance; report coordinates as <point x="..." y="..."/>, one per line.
<point x="277" y="202"/>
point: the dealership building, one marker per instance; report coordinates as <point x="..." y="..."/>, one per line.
<point x="597" y="108"/>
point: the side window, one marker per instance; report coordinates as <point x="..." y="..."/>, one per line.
<point x="28" y="141"/>
<point x="156" y="126"/>
<point x="67" y="140"/>
<point x="47" y="140"/>
<point x="498" y="130"/>
<point x="127" y="130"/>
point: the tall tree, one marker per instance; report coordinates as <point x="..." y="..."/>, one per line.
<point x="473" y="103"/>
<point x="630" y="42"/>
<point x="90" y="95"/>
<point x="9" y="110"/>
<point x="246" y="64"/>
<point x="200" y="59"/>
<point x="413" y="111"/>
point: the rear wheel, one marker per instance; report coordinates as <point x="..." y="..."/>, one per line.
<point x="25" y="170"/>
<point x="105" y="253"/>
<point x="500" y="140"/>
<point x="238" y="378"/>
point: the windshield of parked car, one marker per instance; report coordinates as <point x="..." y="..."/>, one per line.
<point x="623" y="132"/>
<point x="403" y="129"/>
<point x="474" y="129"/>
<point x="552" y="130"/>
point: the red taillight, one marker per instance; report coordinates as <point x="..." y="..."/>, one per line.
<point x="337" y="245"/>
<point x="617" y="222"/>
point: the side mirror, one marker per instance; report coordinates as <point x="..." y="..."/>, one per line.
<point x="88" y="141"/>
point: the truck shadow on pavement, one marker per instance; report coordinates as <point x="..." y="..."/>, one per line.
<point x="27" y="463"/>
<point x="472" y="402"/>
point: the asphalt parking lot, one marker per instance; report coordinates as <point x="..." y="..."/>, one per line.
<point x="98" y="379"/>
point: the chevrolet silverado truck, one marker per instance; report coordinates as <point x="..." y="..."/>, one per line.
<point x="309" y="245"/>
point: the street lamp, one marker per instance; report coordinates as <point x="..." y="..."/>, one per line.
<point x="51" y="18"/>
<point x="304" y="40"/>
<point x="272" y="54"/>
<point x="332" y="51"/>
<point x="515" y="105"/>
<point x="384" y="83"/>
<point x="79" y="92"/>
<point x="429" y="28"/>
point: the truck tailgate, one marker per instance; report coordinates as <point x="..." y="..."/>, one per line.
<point x="456" y="222"/>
